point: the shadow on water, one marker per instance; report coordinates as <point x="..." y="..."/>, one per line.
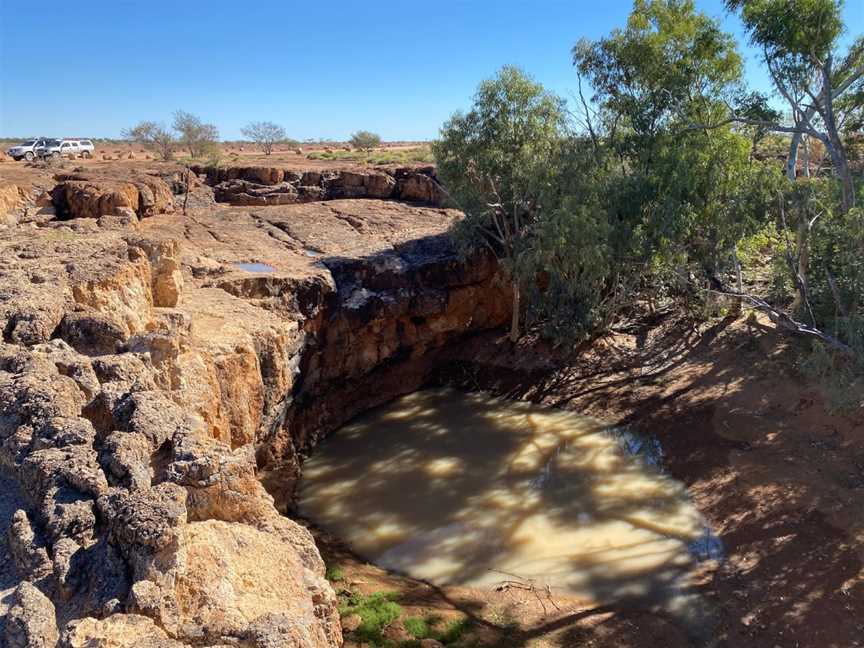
<point x="467" y="489"/>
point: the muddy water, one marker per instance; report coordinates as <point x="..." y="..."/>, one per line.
<point x="466" y="489"/>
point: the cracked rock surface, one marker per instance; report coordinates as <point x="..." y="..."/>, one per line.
<point x="162" y="377"/>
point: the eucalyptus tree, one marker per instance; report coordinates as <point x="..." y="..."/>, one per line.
<point x="497" y="161"/>
<point x="688" y="193"/>
<point x="800" y="44"/>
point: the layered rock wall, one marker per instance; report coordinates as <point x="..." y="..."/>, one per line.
<point x="259" y="186"/>
<point x="151" y="373"/>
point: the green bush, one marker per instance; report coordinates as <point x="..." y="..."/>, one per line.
<point x="334" y="573"/>
<point x="377" y="611"/>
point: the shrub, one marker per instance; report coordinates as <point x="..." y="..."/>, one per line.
<point x="365" y="140"/>
<point x="193" y="134"/>
<point x="377" y="611"/>
<point x="265" y="134"/>
<point x="334" y="573"/>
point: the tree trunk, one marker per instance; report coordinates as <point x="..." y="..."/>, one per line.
<point x="514" y="320"/>
<point x="802" y="245"/>
<point x="792" y="160"/>
<point x="841" y="167"/>
<point x="740" y="283"/>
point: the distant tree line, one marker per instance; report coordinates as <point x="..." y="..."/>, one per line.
<point x="189" y="132"/>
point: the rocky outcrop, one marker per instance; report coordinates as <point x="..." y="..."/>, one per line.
<point x="91" y="195"/>
<point x="156" y="375"/>
<point x="268" y="186"/>
<point x="11" y="197"/>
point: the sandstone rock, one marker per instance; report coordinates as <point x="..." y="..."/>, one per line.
<point x="117" y="631"/>
<point x="92" y="333"/>
<point x="11" y="197"/>
<point x="31" y="622"/>
<point x="420" y="187"/>
<point x="83" y="195"/>
<point x="126" y="457"/>
<point x="143" y="384"/>
<point x="83" y="199"/>
<point x="165" y="275"/>
<point x="149" y="520"/>
<point x="29" y="553"/>
<point x="223" y="560"/>
<point x="351" y="622"/>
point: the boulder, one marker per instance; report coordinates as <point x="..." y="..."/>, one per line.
<point x="32" y="621"/>
<point x="117" y="631"/>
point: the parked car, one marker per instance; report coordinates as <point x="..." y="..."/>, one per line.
<point x="65" y="147"/>
<point x="27" y="150"/>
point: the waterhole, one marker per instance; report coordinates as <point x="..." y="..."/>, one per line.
<point x="467" y="489"/>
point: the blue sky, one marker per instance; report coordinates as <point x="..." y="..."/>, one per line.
<point x="321" y="69"/>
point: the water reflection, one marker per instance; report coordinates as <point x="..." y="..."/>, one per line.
<point x="462" y="489"/>
<point x="256" y="267"/>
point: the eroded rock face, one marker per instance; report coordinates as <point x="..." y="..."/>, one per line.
<point x="92" y="195"/>
<point x="260" y="186"/>
<point x="154" y="373"/>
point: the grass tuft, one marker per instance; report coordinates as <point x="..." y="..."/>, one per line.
<point x="377" y="611"/>
<point x="334" y="573"/>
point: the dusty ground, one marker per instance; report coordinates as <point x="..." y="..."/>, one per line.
<point x="779" y="478"/>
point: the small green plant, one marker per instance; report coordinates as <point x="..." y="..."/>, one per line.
<point x="377" y="611"/>
<point x="334" y="573"/>
<point x="454" y="631"/>
<point x="426" y="628"/>
<point x="417" y="627"/>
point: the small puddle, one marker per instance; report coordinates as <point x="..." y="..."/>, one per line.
<point x="468" y="489"/>
<point x="255" y="267"/>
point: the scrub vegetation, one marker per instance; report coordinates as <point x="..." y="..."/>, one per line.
<point x="667" y="183"/>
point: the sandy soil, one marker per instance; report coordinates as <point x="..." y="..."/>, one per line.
<point x="779" y="478"/>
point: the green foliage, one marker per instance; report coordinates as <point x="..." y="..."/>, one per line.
<point x="334" y="573"/>
<point x="454" y="631"/>
<point x="417" y="627"/>
<point x="806" y="28"/>
<point x="498" y="161"/>
<point x="668" y="63"/>
<point x="494" y="159"/>
<point x="428" y="628"/>
<point x="382" y="156"/>
<point x="377" y="611"/>
<point x="365" y="140"/>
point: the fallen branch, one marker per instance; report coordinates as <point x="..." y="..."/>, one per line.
<point x="527" y="585"/>
<point x="785" y="322"/>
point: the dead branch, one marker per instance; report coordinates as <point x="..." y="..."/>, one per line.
<point x="787" y="323"/>
<point x="516" y="582"/>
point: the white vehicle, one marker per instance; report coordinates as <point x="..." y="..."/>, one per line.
<point x="66" y="147"/>
<point x="27" y="150"/>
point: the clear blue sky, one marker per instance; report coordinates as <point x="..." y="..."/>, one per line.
<point x="321" y="69"/>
